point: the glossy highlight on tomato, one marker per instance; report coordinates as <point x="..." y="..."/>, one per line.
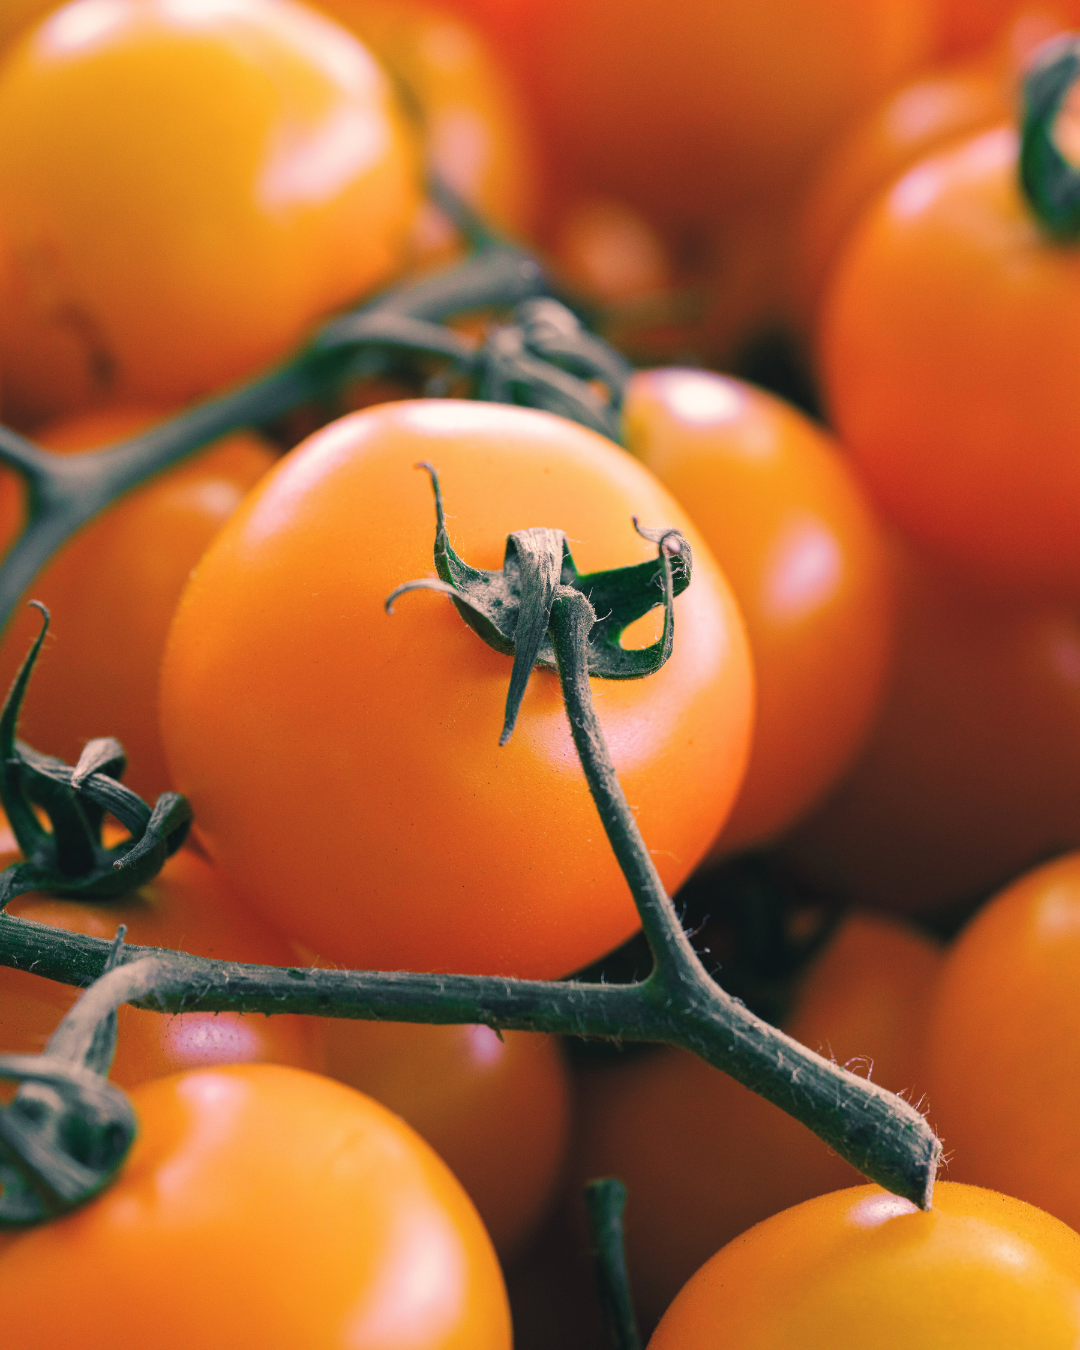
<point x="262" y="1206"/>
<point x="186" y="186"/>
<point x="356" y="793"/>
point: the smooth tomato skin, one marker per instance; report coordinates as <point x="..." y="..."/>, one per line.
<point x="437" y="849"/>
<point x="474" y="129"/>
<point x="112" y="590"/>
<point x="972" y="773"/>
<point x="1004" y="1068"/>
<point x="689" y="111"/>
<point x="185" y="189"/>
<point x="860" y="1267"/>
<point x="186" y="907"/>
<point x="946" y="352"/>
<point x="263" y="1208"/>
<point x="497" y="1111"/>
<point x="964" y="25"/>
<point x="791" y="526"/>
<point x="729" y="1158"/>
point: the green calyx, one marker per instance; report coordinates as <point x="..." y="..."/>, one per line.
<point x="511" y="609"/>
<point x="1049" y="177"/>
<point x="70" y="859"/>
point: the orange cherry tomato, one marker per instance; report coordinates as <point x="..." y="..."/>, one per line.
<point x="185" y="187"/>
<point x="729" y="1158"/>
<point x="185" y="907"/>
<point x="473" y="128"/>
<point x="377" y="736"/>
<point x="791" y="527"/>
<point x="262" y="1206"/>
<point x="112" y="590"/>
<point x="973" y="771"/>
<point x="17" y="15"/>
<point x="964" y="25"/>
<point x="946" y="348"/>
<point x="1004" y="1066"/>
<point x="496" y="1110"/>
<point x="607" y="252"/>
<point x="690" y="109"/>
<point x="859" y="1268"/>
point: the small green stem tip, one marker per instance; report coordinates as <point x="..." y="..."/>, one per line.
<point x="1050" y="137"/>
<point x="605" y="1200"/>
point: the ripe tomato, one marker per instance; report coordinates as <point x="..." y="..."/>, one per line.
<point x="791" y="527"/>
<point x="859" y="1268"/>
<point x="474" y="131"/>
<point x="497" y="1111"/>
<point x="1004" y="1067"/>
<point x="112" y="591"/>
<point x="967" y="24"/>
<point x="947" y="342"/>
<point x="186" y="907"/>
<point x="685" y="110"/>
<point x="378" y="736"/>
<point x="18" y="15"/>
<point x="185" y="187"/>
<point x="729" y="1158"/>
<point x="262" y="1206"/>
<point x="607" y="252"/>
<point x="973" y="770"/>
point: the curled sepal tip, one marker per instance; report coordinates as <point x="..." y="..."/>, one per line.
<point x="1050" y="137"/>
<point x="70" y="858"/>
<point x="511" y="609"/>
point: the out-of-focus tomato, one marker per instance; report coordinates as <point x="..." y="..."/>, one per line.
<point x="18" y="15"/>
<point x="789" y="524"/>
<point x="185" y="187"/>
<point x="262" y="1206"/>
<point x="912" y="122"/>
<point x="947" y="342"/>
<point x="496" y="1110"/>
<point x="973" y="770"/>
<point x="964" y="25"/>
<point x="729" y="1158"/>
<point x="112" y="591"/>
<point x="1004" y="1064"/>
<point x="363" y="760"/>
<point x="684" y="110"/>
<point x="473" y="127"/>
<point x="607" y="252"/>
<point x="980" y="1271"/>
<point x="185" y="907"/>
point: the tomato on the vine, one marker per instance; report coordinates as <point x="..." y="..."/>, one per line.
<point x="185" y="188"/>
<point x="344" y="765"/>
<point x="262" y="1206"/>
<point x="1004" y="1069"/>
<point x="112" y="590"/>
<point x="187" y="906"/>
<point x="495" y="1108"/>
<point x="791" y="526"/>
<point x="860" y="1268"/>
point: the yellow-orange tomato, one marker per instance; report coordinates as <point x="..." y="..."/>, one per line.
<point x="687" y="109"/>
<point x="262" y="1206"/>
<point x="790" y="525"/>
<point x="474" y="131"/>
<point x="495" y="1109"/>
<point x="186" y="907"/>
<point x="362" y="756"/>
<point x="973" y="770"/>
<point x="185" y="187"/>
<point x="17" y="15"/>
<point x="112" y="591"/>
<point x="964" y="25"/>
<point x="946" y="347"/>
<point x="729" y="1158"/>
<point x="1004" y="1065"/>
<point x="609" y="253"/>
<point x="861" y="1268"/>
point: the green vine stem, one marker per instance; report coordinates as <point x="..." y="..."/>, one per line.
<point x="605" y="1200"/>
<point x="1049" y="173"/>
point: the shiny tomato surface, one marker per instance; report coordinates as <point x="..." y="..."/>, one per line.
<point x="112" y="589"/>
<point x="360" y="752"/>
<point x="861" y="1268"/>
<point x="186" y="186"/>
<point x="792" y="528"/>
<point x="262" y="1208"/>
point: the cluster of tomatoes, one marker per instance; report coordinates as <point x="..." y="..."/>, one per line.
<point x="874" y="693"/>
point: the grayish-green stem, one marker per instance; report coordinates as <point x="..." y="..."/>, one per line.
<point x="605" y="1201"/>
